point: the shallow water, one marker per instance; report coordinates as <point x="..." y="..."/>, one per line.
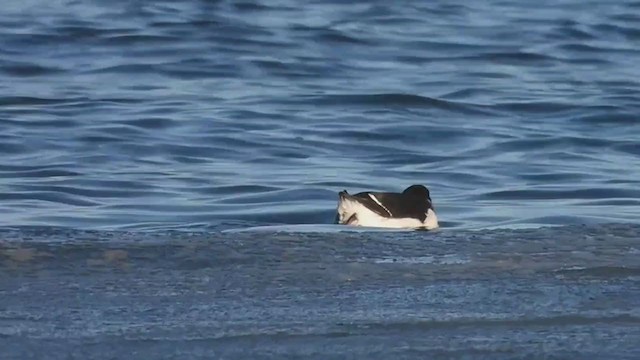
<point x="569" y="292"/>
<point x="169" y="171"/>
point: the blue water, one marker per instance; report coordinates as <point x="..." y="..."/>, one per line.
<point x="234" y="119"/>
<point x="198" y="113"/>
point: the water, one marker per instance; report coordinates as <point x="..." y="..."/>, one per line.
<point x="569" y="292"/>
<point x="145" y="127"/>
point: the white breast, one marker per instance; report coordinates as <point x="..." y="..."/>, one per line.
<point x="367" y="217"/>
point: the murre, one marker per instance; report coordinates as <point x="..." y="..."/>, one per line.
<point x="411" y="208"/>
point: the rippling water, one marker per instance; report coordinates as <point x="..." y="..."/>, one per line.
<point x="207" y="116"/>
<point x="199" y="113"/>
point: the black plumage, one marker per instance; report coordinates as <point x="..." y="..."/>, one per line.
<point x="413" y="202"/>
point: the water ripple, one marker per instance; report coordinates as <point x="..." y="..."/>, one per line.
<point x="256" y="113"/>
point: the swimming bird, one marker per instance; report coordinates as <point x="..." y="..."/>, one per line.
<point x="411" y="208"/>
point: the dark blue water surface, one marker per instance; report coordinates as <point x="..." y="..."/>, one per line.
<point x="122" y="121"/>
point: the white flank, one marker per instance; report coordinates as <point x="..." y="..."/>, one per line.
<point x="366" y="217"/>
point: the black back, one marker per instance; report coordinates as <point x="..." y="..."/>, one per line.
<point x="413" y="202"/>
